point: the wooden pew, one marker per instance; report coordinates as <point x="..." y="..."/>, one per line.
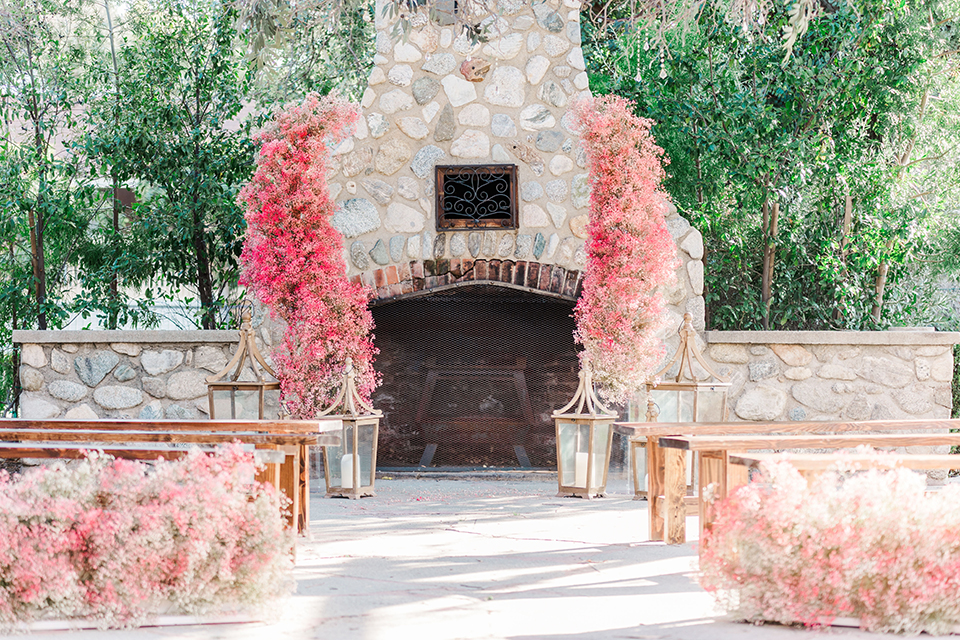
<point x="657" y="460"/>
<point x="282" y="444"/>
<point x="713" y="456"/>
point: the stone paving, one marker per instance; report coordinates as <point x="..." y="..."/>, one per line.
<point x="483" y="559"/>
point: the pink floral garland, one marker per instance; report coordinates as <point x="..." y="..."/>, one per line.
<point x="630" y="253"/>
<point x="293" y="257"/>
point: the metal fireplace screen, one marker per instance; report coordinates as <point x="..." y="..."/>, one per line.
<point x="471" y="376"/>
<point x="477" y="196"/>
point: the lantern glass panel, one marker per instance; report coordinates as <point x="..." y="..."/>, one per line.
<point x="601" y="433"/>
<point x="244" y="404"/>
<point x="332" y="458"/>
<point x="568" y="437"/>
<point x="674" y="405"/>
<point x="346" y="455"/>
<point x="710" y="405"/>
<point x="367" y="435"/>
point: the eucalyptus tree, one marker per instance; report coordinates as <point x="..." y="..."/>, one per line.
<point x="42" y="53"/>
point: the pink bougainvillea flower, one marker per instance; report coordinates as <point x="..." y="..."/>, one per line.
<point x="293" y="256"/>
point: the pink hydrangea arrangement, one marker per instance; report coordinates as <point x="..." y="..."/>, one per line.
<point x="293" y="256"/>
<point x="117" y="541"/>
<point x="872" y="546"/>
<point x="630" y="253"/>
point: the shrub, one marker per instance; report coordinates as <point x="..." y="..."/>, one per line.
<point x="118" y="541"/>
<point x="872" y="545"/>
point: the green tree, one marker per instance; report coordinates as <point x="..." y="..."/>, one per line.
<point x="185" y="136"/>
<point x="781" y="162"/>
<point x="44" y="192"/>
<point x="304" y="46"/>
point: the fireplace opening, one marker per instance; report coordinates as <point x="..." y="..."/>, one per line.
<point x="471" y="375"/>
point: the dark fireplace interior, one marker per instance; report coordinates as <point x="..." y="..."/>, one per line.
<point x="471" y="375"/>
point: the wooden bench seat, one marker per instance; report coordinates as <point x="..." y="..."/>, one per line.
<point x="713" y="458"/>
<point x="280" y="444"/>
<point x="647" y="434"/>
<point x="810" y="464"/>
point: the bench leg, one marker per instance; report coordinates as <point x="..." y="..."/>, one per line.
<point x="712" y="472"/>
<point x="271" y="471"/>
<point x="303" y="522"/>
<point x="655" y="488"/>
<point x="637" y="449"/>
<point x="737" y="475"/>
<point x="290" y="482"/>
<point x="675" y="489"/>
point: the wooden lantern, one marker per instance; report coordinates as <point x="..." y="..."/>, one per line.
<point x="584" y="438"/>
<point x="225" y="383"/>
<point x="350" y="469"/>
<point x="684" y="397"/>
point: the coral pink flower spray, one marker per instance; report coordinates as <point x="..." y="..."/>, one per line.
<point x="293" y="256"/>
<point x="630" y="254"/>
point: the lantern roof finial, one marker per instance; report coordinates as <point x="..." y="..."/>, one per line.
<point x="586" y="396"/>
<point x="348" y="397"/>
<point x="687" y="352"/>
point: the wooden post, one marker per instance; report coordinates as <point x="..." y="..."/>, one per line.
<point x="655" y="487"/>
<point x="675" y="489"/>
<point x="271" y="471"/>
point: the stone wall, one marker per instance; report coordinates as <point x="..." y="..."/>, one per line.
<point x="148" y="375"/>
<point x="843" y="375"/>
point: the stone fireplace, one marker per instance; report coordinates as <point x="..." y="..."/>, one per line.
<point x="463" y="200"/>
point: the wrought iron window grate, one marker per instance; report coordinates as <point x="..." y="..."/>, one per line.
<point x="477" y="196"/>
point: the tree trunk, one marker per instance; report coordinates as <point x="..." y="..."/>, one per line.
<point x="881" y="285"/>
<point x="845" y="240"/>
<point x="35" y="219"/>
<point x="771" y="215"/>
<point x="112" y="318"/>
<point x="15" y="355"/>
<point x="204" y="281"/>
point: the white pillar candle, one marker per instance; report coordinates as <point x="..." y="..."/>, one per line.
<point x="580" y="466"/>
<point x="346" y="471"/>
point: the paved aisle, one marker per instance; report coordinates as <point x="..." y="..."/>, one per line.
<point x="484" y="559"/>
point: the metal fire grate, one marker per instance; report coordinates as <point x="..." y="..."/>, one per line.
<point x="471" y="376"/>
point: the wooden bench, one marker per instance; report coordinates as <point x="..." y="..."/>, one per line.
<point x="647" y="434"/>
<point x="281" y="444"/>
<point x="713" y="457"/>
<point x="811" y="464"/>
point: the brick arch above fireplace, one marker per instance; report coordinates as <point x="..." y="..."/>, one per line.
<point x="415" y="278"/>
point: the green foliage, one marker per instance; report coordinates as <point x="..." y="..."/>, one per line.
<point x="304" y="46"/>
<point x="185" y="136"/>
<point x="745" y="128"/>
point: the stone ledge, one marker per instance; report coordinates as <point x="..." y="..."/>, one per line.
<point x="134" y="336"/>
<point x="892" y="338"/>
